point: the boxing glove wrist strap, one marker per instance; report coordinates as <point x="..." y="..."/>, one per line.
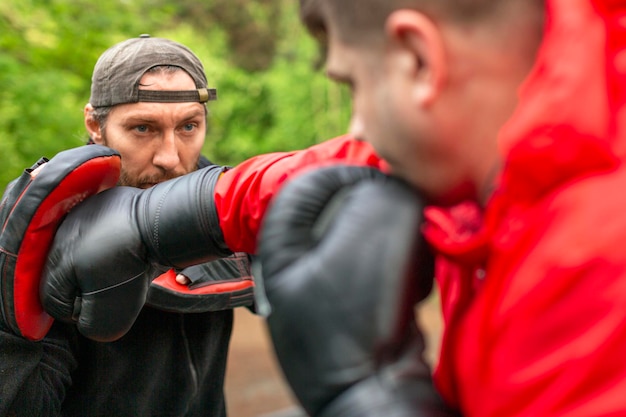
<point x="178" y="221"/>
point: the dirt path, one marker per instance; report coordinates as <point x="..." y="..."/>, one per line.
<point x="254" y="384"/>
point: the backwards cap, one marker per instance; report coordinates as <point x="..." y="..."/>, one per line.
<point x="119" y="69"/>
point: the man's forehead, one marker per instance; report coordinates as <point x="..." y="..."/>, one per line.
<point x="148" y="111"/>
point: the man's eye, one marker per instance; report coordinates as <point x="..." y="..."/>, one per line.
<point x="141" y="128"/>
<point x="189" y="127"/>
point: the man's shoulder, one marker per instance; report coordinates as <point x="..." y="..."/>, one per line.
<point x="204" y="162"/>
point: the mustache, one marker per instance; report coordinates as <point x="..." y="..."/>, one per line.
<point x="148" y="180"/>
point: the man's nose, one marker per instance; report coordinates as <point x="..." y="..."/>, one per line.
<point x="166" y="155"/>
<point x="356" y="127"/>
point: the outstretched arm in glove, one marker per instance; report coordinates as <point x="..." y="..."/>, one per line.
<point x="343" y="265"/>
<point x="109" y="247"/>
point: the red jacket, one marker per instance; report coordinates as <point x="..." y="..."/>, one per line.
<point x="534" y="290"/>
<point x="243" y="193"/>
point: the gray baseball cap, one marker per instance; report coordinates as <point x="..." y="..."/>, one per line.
<point x="119" y="69"/>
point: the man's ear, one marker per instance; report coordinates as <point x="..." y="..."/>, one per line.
<point x="92" y="125"/>
<point x="422" y="40"/>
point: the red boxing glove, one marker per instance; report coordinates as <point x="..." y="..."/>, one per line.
<point x="243" y="193"/>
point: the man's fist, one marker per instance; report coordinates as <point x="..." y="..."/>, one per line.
<point x="343" y="265"/>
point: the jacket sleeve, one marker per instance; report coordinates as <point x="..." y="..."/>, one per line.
<point x="243" y="193"/>
<point x="34" y="376"/>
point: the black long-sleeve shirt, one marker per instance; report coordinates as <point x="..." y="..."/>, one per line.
<point x="168" y="364"/>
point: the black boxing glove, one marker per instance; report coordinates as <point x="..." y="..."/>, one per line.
<point x="343" y="263"/>
<point x="109" y="248"/>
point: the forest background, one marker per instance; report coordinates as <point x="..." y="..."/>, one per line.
<point x="272" y="94"/>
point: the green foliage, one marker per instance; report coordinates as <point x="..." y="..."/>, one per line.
<point x="270" y="96"/>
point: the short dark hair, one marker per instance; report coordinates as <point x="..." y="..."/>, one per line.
<point x="363" y="21"/>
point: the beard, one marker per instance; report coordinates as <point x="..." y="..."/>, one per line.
<point x="146" y="181"/>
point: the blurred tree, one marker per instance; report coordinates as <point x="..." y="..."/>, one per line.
<point x="250" y="27"/>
